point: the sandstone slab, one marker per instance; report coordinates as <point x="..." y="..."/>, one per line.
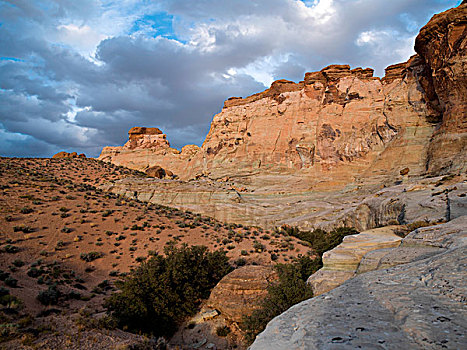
<point x="419" y="305"/>
<point x="341" y="263"/>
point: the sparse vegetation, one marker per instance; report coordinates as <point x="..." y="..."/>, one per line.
<point x="162" y="291"/>
<point x="91" y="256"/>
<point x="291" y="287"/>
<point x="222" y="331"/>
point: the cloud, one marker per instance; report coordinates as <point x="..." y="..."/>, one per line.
<point x="78" y="75"/>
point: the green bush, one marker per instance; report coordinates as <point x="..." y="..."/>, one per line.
<point x="288" y="291"/>
<point x="164" y="290"/>
<point x="222" y="331"/>
<point x="49" y="296"/>
<point x="9" y="248"/>
<point x="320" y="240"/>
<point x="91" y="256"/>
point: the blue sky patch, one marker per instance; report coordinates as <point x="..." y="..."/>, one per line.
<point x="157" y="24"/>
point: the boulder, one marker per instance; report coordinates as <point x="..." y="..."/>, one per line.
<point x="239" y="293"/>
<point x="156" y="171"/>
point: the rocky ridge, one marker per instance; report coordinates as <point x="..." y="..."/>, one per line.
<point x="338" y="136"/>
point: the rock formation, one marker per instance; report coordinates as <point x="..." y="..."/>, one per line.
<point x="64" y="154"/>
<point x="341" y="263"/>
<point x="148" y="147"/>
<point x="338" y="124"/>
<point x="442" y="46"/>
<point x="236" y="295"/>
<point x="417" y="305"/>
<point x="239" y="293"/>
<point x="338" y="136"/>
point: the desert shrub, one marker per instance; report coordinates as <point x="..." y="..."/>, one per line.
<point x="416" y="224"/>
<point x="222" y="331"/>
<point x="11" y="282"/>
<point x="49" y="296"/>
<point x="3" y="275"/>
<point x="320" y="240"/>
<point x="107" y="212"/>
<point x="9" y="248"/>
<point x="23" y="228"/>
<point x="26" y="210"/>
<point x="290" y="289"/>
<point x="18" y="262"/>
<point x="240" y="262"/>
<point x="164" y="290"/>
<point x="91" y="256"/>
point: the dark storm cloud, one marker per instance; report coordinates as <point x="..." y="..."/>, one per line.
<point x="77" y="75"/>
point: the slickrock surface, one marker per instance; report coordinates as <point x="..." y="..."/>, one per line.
<point x="363" y="207"/>
<point x="419" y="305"/>
<point x="341" y="263"/>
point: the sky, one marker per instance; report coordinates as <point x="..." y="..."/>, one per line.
<point x="77" y="75"/>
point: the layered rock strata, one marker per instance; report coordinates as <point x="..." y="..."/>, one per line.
<point x="289" y="152"/>
<point x="337" y="123"/>
<point x="342" y="262"/>
<point x="434" y="199"/>
<point x="240" y="292"/>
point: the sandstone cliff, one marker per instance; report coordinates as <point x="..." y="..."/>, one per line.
<point x="319" y="148"/>
<point x="337" y="125"/>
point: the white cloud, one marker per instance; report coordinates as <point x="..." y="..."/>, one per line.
<point x="87" y="71"/>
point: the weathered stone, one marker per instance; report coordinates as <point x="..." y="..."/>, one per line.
<point x="341" y="263"/>
<point x="420" y="305"/>
<point x="68" y="155"/>
<point x="442" y="45"/>
<point x="156" y="171"/>
<point x="239" y="293"/>
<point x="448" y="235"/>
<point x="389" y="257"/>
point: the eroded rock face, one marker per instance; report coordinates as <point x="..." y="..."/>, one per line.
<point x="64" y="154"/>
<point x="337" y="125"/>
<point x="442" y="45"/>
<point x="341" y="263"/>
<point x="340" y="122"/>
<point x="336" y="122"/>
<point x="239" y="293"/>
<point x="147" y="148"/>
<point x="418" y="305"/>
